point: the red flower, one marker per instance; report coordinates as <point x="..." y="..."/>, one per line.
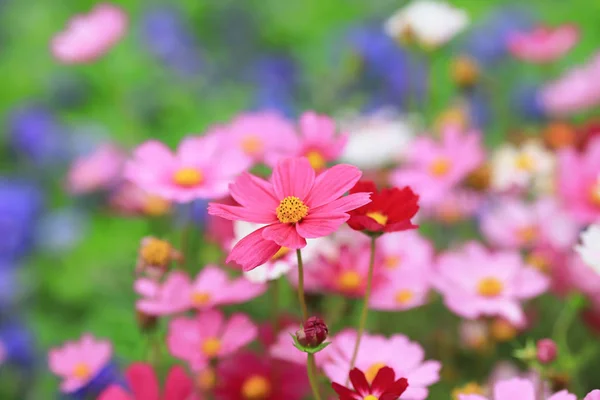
<point x="390" y="210"/>
<point x="384" y="386"/>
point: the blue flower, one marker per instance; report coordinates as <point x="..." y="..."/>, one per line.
<point x="526" y="102"/>
<point x="276" y="80"/>
<point x="18" y="343"/>
<point x="109" y="375"/>
<point x="61" y="230"/>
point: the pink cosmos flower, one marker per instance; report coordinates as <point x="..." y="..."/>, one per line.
<point x="97" y="171"/>
<point x="89" y="36"/>
<point x="170" y="297"/>
<point x="405" y="250"/>
<point x="512" y="223"/>
<point x="476" y="282"/>
<point x="402" y="290"/>
<point x="579" y="182"/>
<point x="144" y="385"/>
<point x="208" y="336"/>
<point x="543" y="44"/>
<point x="200" y="168"/>
<point x="129" y="200"/>
<point x="77" y="363"/>
<point x="259" y="136"/>
<point x="517" y="388"/>
<point x="435" y="168"/>
<point x="593" y="395"/>
<point x="318" y="141"/>
<point x="294" y="204"/>
<point x="376" y="352"/>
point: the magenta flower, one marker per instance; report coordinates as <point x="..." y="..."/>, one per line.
<point x="89" y="36"/>
<point x="476" y="282"/>
<point x="100" y="170"/>
<point x="77" y="363"/>
<point x="579" y="182"/>
<point x="543" y="44"/>
<point x="405" y="357"/>
<point x="294" y="204"/>
<point x="435" y="168"/>
<point x="201" y="168"/>
<point x="208" y="336"/>
<point x="518" y="388"/>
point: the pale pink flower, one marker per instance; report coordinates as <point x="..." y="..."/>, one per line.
<point x="402" y="290"/>
<point x="295" y="204"/>
<point x="99" y="170"/>
<point x="543" y="44"/>
<point x="89" y="36"/>
<point x="593" y="395"/>
<point x="457" y="205"/>
<point x="513" y="223"/>
<point x="170" y="297"/>
<point x="405" y="357"/>
<point x="435" y="168"/>
<point x="129" y="199"/>
<point x="208" y="336"/>
<point x="476" y="282"/>
<point x="200" y="168"/>
<point x="517" y="388"/>
<point x="405" y="250"/>
<point x="318" y="141"/>
<point x="582" y="277"/>
<point x="79" y="362"/>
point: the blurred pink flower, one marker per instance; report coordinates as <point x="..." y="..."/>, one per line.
<point x="259" y="136"/>
<point x="318" y="141"/>
<point x="405" y="250"/>
<point x="543" y="44"/>
<point x="79" y="362"/>
<point x="577" y="90"/>
<point x="208" y="336"/>
<point x="377" y="351"/>
<point x="402" y="290"/>
<point x="89" y="36"/>
<point x="434" y="168"/>
<point x="128" y="199"/>
<point x="170" y="297"/>
<point x="476" y="282"/>
<point x="517" y="388"/>
<point x="97" y="171"/>
<point x="513" y="223"/>
<point x="593" y="395"/>
<point x="295" y="204"/>
<point x="200" y="168"/>
<point x="579" y="182"/>
<point x="457" y="205"/>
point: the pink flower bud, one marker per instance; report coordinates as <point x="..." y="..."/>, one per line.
<point x="546" y="351"/>
<point x="314" y="332"/>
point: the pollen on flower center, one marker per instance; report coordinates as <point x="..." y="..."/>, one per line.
<point x="527" y="234"/>
<point x="256" y="387"/>
<point x="82" y="371"/>
<point x="280" y="253"/>
<point x="200" y="298"/>
<point x="211" y="347"/>
<point x="291" y="210"/>
<point x="392" y="262"/>
<point x="349" y="280"/>
<point x="490" y="287"/>
<point x="404" y="296"/>
<point x="525" y="162"/>
<point x="155" y="206"/>
<point x="539" y="262"/>
<point x="156" y="252"/>
<point x="187" y="177"/>
<point x="372" y="371"/>
<point x="469" y="388"/>
<point x="379" y="217"/>
<point x="206" y="379"/>
<point x="316" y="160"/>
<point x="252" y="144"/>
<point x="440" y="167"/>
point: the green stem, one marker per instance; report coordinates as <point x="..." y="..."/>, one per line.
<point x="365" y="310"/>
<point x="301" y="299"/>
<point x="312" y="376"/>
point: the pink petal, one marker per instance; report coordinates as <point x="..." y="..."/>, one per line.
<point x="239" y="331"/>
<point x="293" y="177"/>
<point x="178" y="385"/>
<point x="253" y="192"/>
<point x="115" y="392"/>
<point x="146" y="287"/>
<point x="515" y="388"/>
<point x="284" y="235"/>
<point x="211" y="278"/>
<point x="320" y="225"/>
<point x="210" y="323"/>
<point x="235" y="213"/>
<point x="143" y="381"/>
<point x="342" y="205"/>
<point x="332" y="184"/>
<point x="253" y="250"/>
<point x="153" y="152"/>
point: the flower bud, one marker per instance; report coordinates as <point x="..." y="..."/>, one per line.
<point x="465" y="71"/>
<point x="546" y="351"/>
<point x="313" y="333"/>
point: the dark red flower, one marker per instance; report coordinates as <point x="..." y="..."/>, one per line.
<point x="390" y="210"/>
<point x="313" y="333"/>
<point x="384" y="386"/>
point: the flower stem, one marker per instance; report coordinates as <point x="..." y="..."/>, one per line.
<point x="312" y="376"/>
<point x="363" y="315"/>
<point x="301" y="287"/>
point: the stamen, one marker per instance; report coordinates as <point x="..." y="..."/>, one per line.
<point x="316" y="160"/>
<point x="372" y="371"/>
<point x="211" y="347"/>
<point x="378" y="216"/>
<point x="187" y="177"/>
<point x="291" y="210"/>
<point x="82" y="371"/>
<point x="490" y="287"/>
<point x="200" y="298"/>
<point x="392" y="262"/>
<point x="440" y="167"/>
<point x="256" y="387"/>
<point x="252" y="144"/>
<point x="349" y="281"/>
<point x="156" y="252"/>
<point x="404" y="296"/>
<point x="525" y="162"/>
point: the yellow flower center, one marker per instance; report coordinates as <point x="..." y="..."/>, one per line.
<point x="291" y="210"/>
<point x="187" y="177"/>
<point x="392" y="262"/>
<point x="82" y="371"/>
<point x="440" y="167"/>
<point x="449" y="213"/>
<point x="404" y="296"/>
<point x="490" y="287"/>
<point x="595" y="195"/>
<point x="502" y="330"/>
<point x="316" y="160"/>
<point x="349" y="280"/>
<point x="155" y="206"/>
<point x="469" y="388"/>
<point x="372" y="371"/>
<point x="200" y="298"/>
<point x="527" y="234"/>
<point x="280" y="253"/>
<point x="379" y="217"/>
<point x="539" y="262"/>
<point x="525" y="162"/>
<point x="256" y="387"/>
<point x="370" y="397"/>
<point x="252" y="144"/>
<point x="206" y="379"/>
<point x="211" y="347"/>
<point x="156" y="252"/>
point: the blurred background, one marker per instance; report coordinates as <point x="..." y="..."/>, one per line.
<point x="67" y="255"/>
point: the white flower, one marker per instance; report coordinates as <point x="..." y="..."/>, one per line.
<point x="529" y="165"/>
<point x="589" y="249"/>
<point x="376" y="140"/>
<point x="431" y="23"/>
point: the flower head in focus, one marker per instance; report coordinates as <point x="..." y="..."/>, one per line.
<point x="383" y="387"/>
<point x="295" y="204"/>
<point x="89" y="36"/>
<point x="543" y="44"/>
